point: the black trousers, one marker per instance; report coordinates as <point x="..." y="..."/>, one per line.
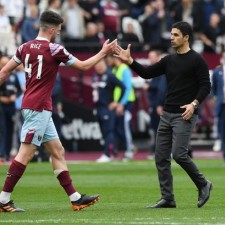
<point x="172" y="141"/>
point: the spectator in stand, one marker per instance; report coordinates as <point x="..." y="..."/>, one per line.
<point x="104" y="83"/>
<point x="125" y="8"/>
<point x="218" y="89"/>
<point x="129" y="36"/>
<point x="91" y="41"/>
<point x="28" y="5"/>
<point x="14" y="10"/>
<point x="8" y="98"/>
<point x="74" y="24"/>
<point x="156" y="25"/>
<point x="30" y="26"/>
<point x="182" y="10"/>
<point x="93" y="8"/>
<point x="55" y="6"/>
<point x="210" y="7"/>
<point x="110" y="18"/>
<point x="5" y="25"/>
<point x="43" y="5"/>
<point x="143" y="19"/>
<point x="210" y="34"/>
<point x="190" y="11"/>
<point x="7" y="35"/>
<point x="101" y="32"/>
<point x="137" y="7"/>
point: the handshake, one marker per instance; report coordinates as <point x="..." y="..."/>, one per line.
<point x="117" y="51"/>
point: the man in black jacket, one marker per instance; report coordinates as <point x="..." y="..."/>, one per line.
<point x="188" y="84"/>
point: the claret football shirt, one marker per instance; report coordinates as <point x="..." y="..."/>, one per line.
<point x="41" y="60"/>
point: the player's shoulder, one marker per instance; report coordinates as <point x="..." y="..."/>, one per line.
<point x="56" y="48"/>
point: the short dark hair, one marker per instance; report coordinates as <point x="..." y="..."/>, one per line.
<point x="184" y="27"/>
<point x="50" y="18"/>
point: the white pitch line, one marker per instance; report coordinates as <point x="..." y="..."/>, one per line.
<point x="32" y="221"/>
<point x="135" y="221"/>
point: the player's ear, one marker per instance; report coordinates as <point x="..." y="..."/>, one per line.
<point x="52" y="30"/>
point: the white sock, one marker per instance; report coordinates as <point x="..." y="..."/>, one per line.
<point x="75" y="196"/>
<point x="58" y="171"/>
<point x="5" y="197"/>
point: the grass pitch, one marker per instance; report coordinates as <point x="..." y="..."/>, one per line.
<point x="125" y="188"/>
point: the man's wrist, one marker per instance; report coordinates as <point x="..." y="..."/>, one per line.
<point x="194" y="104"/>
<point x="130" y="61"/>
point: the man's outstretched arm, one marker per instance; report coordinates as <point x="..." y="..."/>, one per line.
<point x="89" y="63"/>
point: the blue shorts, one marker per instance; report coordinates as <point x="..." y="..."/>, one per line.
<point x="38" y="127"/>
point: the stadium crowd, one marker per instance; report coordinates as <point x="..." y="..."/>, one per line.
<point x="88" y="23"/>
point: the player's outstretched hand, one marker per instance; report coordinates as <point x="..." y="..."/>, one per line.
<point x="109" y="47"/>
<point x="123" y="54"/>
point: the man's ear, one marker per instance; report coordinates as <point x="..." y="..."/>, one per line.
<point x="51" y="30"/>
<point x="186" y="37"/>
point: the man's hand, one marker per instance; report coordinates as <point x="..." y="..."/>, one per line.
<point x="112" y="106"/>
<point x="189" y="110"/>
<point x="159" y="109"/>
<point x="109" y="47"/>
<point x="119" y="109"/>
<point x="124" y="54"/>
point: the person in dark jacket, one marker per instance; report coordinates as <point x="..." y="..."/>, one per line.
<point x="104" y="83"/>
<point x="7" y="99"/>
<point x="218" y="89"/>
<point x="188" y="85"/>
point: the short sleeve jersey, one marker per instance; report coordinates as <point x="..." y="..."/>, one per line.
<point x="41" y="60"/>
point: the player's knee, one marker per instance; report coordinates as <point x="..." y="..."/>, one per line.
<point x="26" y="153"/>
<point x="58" y="153"/>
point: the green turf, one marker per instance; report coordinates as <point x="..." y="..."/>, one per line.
<point x="125" y="188"/>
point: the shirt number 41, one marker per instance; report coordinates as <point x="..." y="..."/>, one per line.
<point x="28" y="66"/>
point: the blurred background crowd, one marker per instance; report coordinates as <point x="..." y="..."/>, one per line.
<point x="146" y="24"/>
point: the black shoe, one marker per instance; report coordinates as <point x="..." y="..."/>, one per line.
<point x="9" y="207"/>
<point x="204" y="194"/>
<point x="84" y="202"/>
<point x="163" y="203"/>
